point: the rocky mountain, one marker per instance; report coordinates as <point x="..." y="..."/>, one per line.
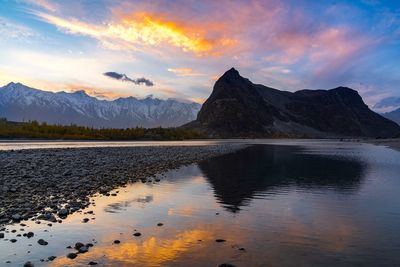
<point x="21" y="103"/>
<point x="393" y="115"/>
<point x="239" y="108"/>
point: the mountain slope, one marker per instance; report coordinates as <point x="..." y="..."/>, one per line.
<point x="239" y="108"/>
<point x="22" y="103"/>
<point x="393" y="115"/>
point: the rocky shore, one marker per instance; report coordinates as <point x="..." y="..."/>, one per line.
<point x="50" y="184"/>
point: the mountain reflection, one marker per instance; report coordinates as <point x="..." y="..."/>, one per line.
<point x="265" y="169"/>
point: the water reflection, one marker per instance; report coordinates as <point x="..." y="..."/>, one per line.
<point x="317" y="206"/>
<point x="267" y="169"/>
<point x="123" y="205"/>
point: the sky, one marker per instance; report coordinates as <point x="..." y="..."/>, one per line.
<point x="177" y="49"/>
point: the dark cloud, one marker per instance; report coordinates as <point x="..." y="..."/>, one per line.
<point x="124" y="78"/>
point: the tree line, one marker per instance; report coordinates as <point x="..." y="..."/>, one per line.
<point x="36" y="130"/>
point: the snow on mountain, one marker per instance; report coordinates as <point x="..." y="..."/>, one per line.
<point x="21" y="103"/>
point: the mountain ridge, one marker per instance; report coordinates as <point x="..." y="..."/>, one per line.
<point x="393" y="115"/>
<point x="22" y="103"/>
<point x="239" y="108"/>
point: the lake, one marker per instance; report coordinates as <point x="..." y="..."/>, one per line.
<point x="275" y="203"/>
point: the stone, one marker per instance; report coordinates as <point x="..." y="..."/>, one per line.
<point x="29" y="234"/>
<point x="63" y="213"/>
<point x="72" y="256"/>
<point x="220" y="240"/>
<point x="28" y="264"/>
<point x="42" y="242"/>
<point x="16" y="217"/>
<point x="83" y="249"/>
<point x="137" y="234"/>
<point x="78" y="245"/>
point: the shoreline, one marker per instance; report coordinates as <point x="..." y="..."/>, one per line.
<point x="50" y="184"/>
<point x="390" y="143"/>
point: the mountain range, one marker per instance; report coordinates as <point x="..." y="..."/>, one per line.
<point x="21" y="103"/>
<point x="393" y="115"/>
<point x="239" y="108"/>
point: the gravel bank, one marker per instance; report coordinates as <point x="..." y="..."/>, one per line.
<point x="50" y="184"/>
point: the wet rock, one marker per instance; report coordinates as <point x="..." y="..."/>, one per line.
<point x="78" y="245"/>
<point x="85" y="220"/>
<point x="51" y="258"/>
<point x="92" y="263"/>
<point x="117" y="241"/>
<point x="83" y="249"/>
<point x="30" y="234"/>
<point x="1" y="235"/>
<point x="137" y="234"/>
<point x="28" y="264"/>
<point x="72" y="256"/>
<point x="16" y="217"/>
<point x="160" y="224"/>
<point x="220" y="240"/>
<point x="63" y="213"/>
<point x="13" y="240"/>
<point x="42" y="242"/>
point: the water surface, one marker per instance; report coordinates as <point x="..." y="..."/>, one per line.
<point x="312" y="203"/>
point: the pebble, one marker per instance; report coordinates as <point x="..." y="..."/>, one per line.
<point x="42" y="242"/>
<point x="92" y="263"/>
<point x="28" y="264"/>
<point x="160" y="224"/>
<point x="1" y="235"/>
<point x="137" y="234"/>
<point x="220" y="240"/>
<point x="51" y="258"/>
<point x="83" y="249"/>
<point x="63" y="213"/>
<point x="117" y="241"/>
<point x="72" y="256"/>
<point x="29" y="234"/>
<point x="78" y="245"/>
<point x="16" y="217"/>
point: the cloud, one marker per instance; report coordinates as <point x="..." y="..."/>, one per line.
<point x="139" y="29"/>
<point x="389" y="102"/>
<point x="45" y="4"/>
<point x="125" y="78"/>
<point x="11" y="30"/>
<point x="184" y="72"/>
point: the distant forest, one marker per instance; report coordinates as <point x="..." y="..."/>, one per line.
<point x="36" y="130"/>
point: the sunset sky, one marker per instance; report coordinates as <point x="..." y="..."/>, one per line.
<point x="181" y="47"/>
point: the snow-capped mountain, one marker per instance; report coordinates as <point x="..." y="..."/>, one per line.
<point x="21" y="103"/>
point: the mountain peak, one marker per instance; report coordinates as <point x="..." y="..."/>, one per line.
<point x="231" y="73"/>
<point x="12" y="84"/>
<point x="239" y="108"/>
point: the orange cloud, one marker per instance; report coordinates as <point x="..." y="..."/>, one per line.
<point x="144" y="28"/>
